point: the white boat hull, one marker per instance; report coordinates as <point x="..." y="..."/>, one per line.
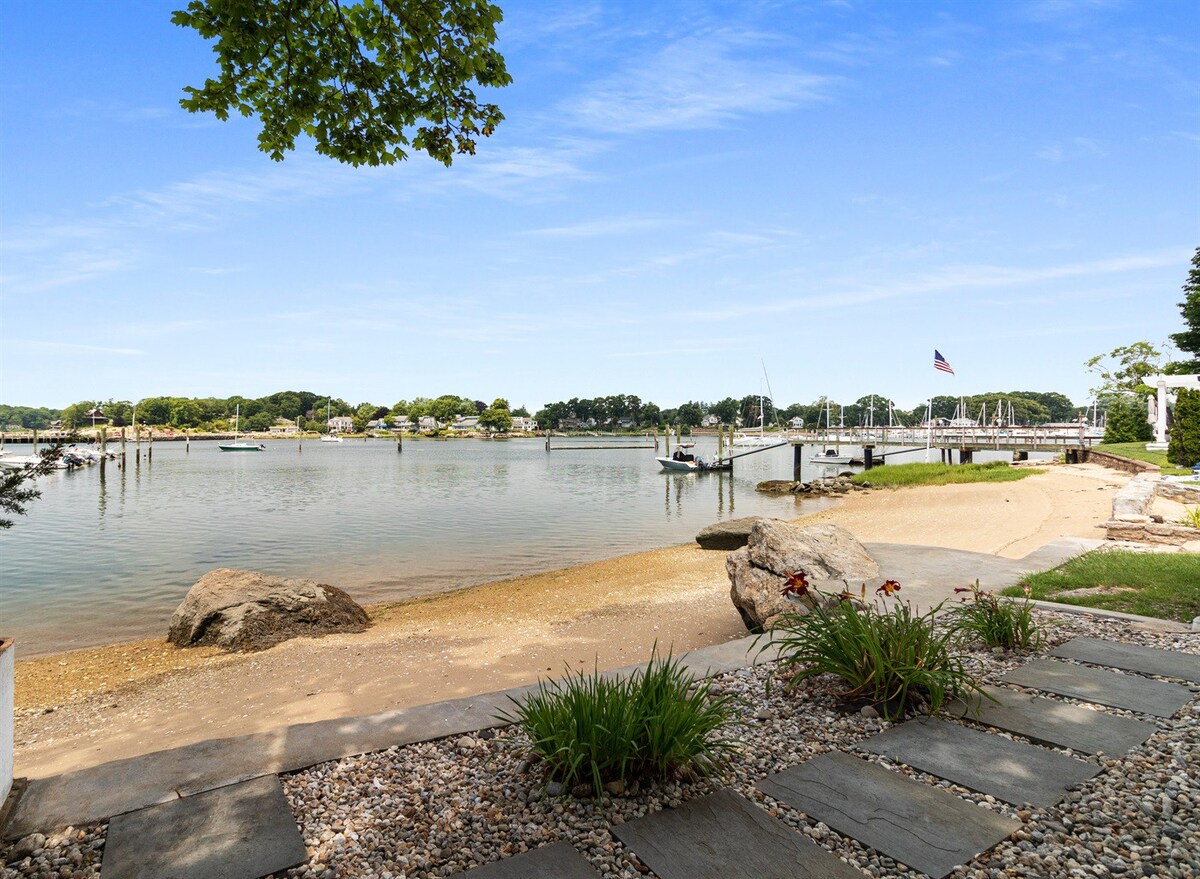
<point x="680" y="466"/>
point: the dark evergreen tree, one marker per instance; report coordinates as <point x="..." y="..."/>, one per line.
<point x="1184" y="449"/>
<point x="1127" y="422"/>
<point x="1189" y="340"/>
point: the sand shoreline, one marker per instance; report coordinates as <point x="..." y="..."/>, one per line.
<point x="130" y="698"/>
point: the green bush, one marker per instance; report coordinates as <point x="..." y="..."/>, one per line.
<point x="591" y="728"/>
<point x="894" y="658"/>
<point x="1126" y="422"/>
<point x="998" y="622"/>
<point x="1184" y="448"/>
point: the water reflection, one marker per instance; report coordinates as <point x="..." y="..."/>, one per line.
<point x="103" y="558"/>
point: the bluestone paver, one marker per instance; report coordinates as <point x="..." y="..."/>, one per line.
<point x="927" y="829"/>
<point x="558" y="861"/>
<point x="1132" y="657"/>
<point x="1011" y="771"/>
<point x="1054" y="722"/>
<point x="724" y="836"/>
<point x="1131" y="692"/>
<point x="242" y="831"/>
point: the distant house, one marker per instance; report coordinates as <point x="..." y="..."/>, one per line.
<point x="283" y="427"/>
<point x="710" y="421"/>
<point x="428" y="422"/>
<point x="625" y="423"/>
<point x="341" y="424"/>
<point x="403" y="422"/>
<point x="524" y="425"/>
<point x="466" y="425"/>
<point x="95" y="416"/>
<point x="796" y="423"/>
<point x="570" y="423"/>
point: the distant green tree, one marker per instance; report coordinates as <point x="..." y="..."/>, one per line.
<point x="155" y="410"/>
<point x="1184" y="448"/>
<point x="1126" y="368"/>
<point x="1126" y="421"/>
<point x="185" y="413"/>
<point x="521" y="412"/>
<point x="1188" y="341"/>
<point x="259" y="422"/>
<point x="496" y="418"/>
<point x="364" y="413"/>
<point x="75" y="416"/>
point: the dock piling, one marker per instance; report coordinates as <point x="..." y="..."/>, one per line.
<point x="797" y="455"/>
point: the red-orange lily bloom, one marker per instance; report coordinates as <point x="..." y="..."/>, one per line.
<point x="797" y="585"/>
<point x="889" y="587"/>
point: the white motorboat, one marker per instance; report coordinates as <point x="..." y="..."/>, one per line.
<point x="830" y="456"/>
<point x="331" y="438"/>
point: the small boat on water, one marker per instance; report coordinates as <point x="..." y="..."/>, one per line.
<point x="831" y="456"/>
<point x="242" y="446"/>
<point x="332" y="438"/>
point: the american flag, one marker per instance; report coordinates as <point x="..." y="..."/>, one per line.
<point x="940" y="362"/>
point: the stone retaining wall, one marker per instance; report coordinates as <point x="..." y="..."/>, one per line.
<point x="1184" y="492"/>
<point x="1117" y="462"/>
<point x="1131" y="513"/>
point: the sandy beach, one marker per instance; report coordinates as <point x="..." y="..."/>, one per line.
<point x="90" y="706"/>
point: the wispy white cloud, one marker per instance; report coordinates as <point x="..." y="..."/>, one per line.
<point x="606" y="226"/>
<point x="843" y="293"/>
<point x="78" y="347"/>
<point x="1070" y="149"/>
<point x="699" y="81"/>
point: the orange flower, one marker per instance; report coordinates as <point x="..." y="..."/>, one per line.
<point x="889" y="587"/>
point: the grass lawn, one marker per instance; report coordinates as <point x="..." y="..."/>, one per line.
<point x="904" y="475"/>
<point x="1138" y="452"/>
<point x="1159" y="584"/>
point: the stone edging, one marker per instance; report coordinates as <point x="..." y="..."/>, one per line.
<point x="1168" y="626"/>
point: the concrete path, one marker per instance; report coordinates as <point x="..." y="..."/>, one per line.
<point x="1131" y="657"/>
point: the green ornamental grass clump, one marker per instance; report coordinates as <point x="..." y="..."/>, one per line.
<point x="891" y="657"/>
<point x="595" y="729"/>
<point x="998" y="622"/>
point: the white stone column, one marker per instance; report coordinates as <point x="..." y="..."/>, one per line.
<point x="1160" y="423"/>
<point x="7" y="668"/>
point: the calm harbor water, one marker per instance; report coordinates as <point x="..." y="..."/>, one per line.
<point x="104" y="559"/>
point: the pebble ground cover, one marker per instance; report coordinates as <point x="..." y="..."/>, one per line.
<point x="432" y="809"/>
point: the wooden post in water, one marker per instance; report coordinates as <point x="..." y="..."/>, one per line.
<point x="667" y="436"/>
<point x="548" y="432"/>
<point x="103" y="448"/>
<point x="399" y="441"/>
<point x="35" y="440"/>
<point x="868" y="456"/>
<point x="150" y="445"/>
<point x="797" y="455"/>
<point x="137" y="442"/>
<point x="187" y="440"/>
<point x="122" y="447"/>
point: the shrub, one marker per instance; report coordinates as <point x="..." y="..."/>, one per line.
<point x="1184" y="448"/>
<point x="1126" y="422"/>
<point x="589" y="728"/>
<point x="892" y="657"/>
<point x="998" y="622"/>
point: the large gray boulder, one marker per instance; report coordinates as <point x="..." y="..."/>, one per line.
<point x="759" y="571"/>
<point x="246" y="611"/>
<point x="727" y="535"/>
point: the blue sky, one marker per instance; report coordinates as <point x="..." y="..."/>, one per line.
<point x="679" y="192"/>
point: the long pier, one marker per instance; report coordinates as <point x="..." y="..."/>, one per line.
<point x="947" y="440"/>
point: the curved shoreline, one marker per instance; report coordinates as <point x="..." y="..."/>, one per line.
<point x="131" y="698"/>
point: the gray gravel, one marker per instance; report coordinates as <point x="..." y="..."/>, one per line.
<point x="431" y="809"/>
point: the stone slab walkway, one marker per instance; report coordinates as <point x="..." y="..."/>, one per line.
<point x="927" y="829"/>
<point x="1102" y="687"/>
<point x="99" y="792"/>
<point x="724" y="836"/>
<point x="1011" y="771"/>
<point x="243" y="831"/>
<point x="557" y="861"/>
<point x="1054" y="722"/>
<point x="1131" y="657"/>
